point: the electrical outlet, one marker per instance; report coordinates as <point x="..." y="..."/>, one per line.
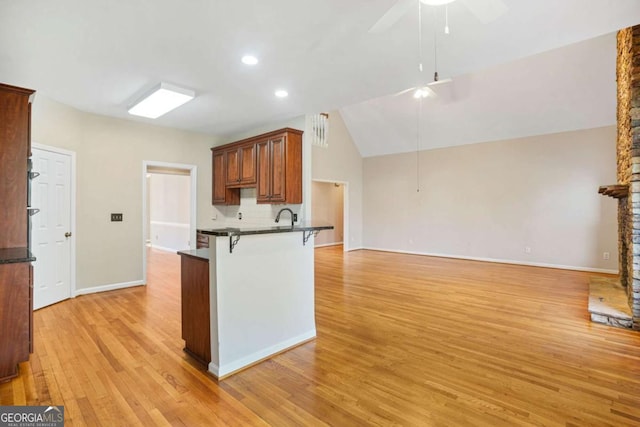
<point x="527" y="250"/>
<point x="116" y="217"/>
<point x="239" y="215"/>
<point x="606" y="255"/>
<point x="295" y="217"/>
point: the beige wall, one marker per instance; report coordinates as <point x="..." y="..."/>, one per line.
<point x="110" y="153"/>
<point x="492" y="200"/>
<point x="327" y="208"/>
<point x="341" y="162"/>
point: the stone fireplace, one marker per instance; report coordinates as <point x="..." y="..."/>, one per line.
<point x="627" y="191"/>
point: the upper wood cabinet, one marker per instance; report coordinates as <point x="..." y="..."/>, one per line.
<point x="271" y="162"/>
<point x="241" y="165"/>
<point x="221" y="194"/>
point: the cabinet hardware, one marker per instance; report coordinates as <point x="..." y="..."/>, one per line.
<point x="67" y="234"/>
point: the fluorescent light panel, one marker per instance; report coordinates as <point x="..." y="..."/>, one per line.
<point x="162" y="99"/>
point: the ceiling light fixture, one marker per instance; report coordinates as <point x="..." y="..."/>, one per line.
<point x="249" y="60"/>
<point x="160" y="100"/>
<point x="281" y="93"/>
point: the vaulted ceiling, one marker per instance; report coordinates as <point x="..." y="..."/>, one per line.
<point x="544" y="66"/>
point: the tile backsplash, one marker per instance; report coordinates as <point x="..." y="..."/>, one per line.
<point x="253" y="214"/>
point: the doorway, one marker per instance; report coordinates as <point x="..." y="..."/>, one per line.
<point x="168" y="207"/>
<point x="52" y="235"/>
<point x="328" y="206"/>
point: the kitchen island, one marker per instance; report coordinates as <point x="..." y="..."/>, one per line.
<point x="260" y="294"/>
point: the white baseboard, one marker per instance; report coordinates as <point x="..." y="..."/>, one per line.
<point x="162" y="248"/>
<point x="357" y="248"/>
<point x="328" y="244"/>
<point x="499" y="261"/>
<point x="105" y="288"/>
<point x="229" y="368"/>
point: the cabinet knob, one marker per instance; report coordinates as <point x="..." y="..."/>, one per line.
<point x="67" y="234"/>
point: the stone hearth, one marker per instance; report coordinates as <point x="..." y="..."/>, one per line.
<point x="608" y="303"/>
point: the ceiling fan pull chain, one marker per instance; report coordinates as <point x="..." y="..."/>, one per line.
<point x="446" y="19"/>
<point x="420" y="35"/>
<point x="418" y="145"/>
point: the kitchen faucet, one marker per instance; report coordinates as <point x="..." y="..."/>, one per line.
<point x="290" y="212"/>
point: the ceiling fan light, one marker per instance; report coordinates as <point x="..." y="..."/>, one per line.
<point x="422" y="92"/>
<point x="436" y="2"/>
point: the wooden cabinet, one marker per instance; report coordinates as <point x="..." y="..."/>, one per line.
<point x="16" y="281"/>
<point x="202" y="241"/>
<point x="15" y="327"/>
<point x="271" y="162"/>
<point x="241" y="166"/>
<point x="280" y="169"/>
<point x="221" y="194"/>
<point x="196" y="329"/>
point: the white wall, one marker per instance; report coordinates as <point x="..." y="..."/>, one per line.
<point x="169" y="211"/>
<point x="341" y="162"/>
<point x="110" y="153"/>
<point x="327" y="208"/>
<point x="492" y="200"/>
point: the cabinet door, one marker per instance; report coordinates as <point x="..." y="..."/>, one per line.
<point x="248" y="164"/>
<point x="278" y="171"/>
<point x="15" y="316"/>
<point x="219" y="178"/>
<point x="263" y="187"/>
<point x="233" y="166"/>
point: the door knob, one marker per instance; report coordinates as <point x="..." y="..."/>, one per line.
<point x="67" y="234"/>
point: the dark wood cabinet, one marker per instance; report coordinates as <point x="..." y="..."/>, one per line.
<point x="271" y="162"/>
<point x="241" y="166"/>
<point x="196" y="329"/>
<point x="16" y="278"/>
<point x="280" y="169"/>
<point x="222" y="195"/>
<point x="15" y="327"/>
<point x="202" y="241"/>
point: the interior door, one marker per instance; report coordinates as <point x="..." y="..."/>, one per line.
<point x="51" y="227"/>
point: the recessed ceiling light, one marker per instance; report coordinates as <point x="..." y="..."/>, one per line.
<point x="281" y="93"/>
<point x="162" y="99"/>
<point x="249" y="60"/>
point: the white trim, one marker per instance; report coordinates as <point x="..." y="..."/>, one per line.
<point x="193" y="174"/>
<point x="345" y="210"/>
<point x="357" y="248"/>
<point x="328" y="244"/>
<point x="499" y="261"/>
<point x="106" y="288"/>
<point x="73" y="190"/>
<point x="238" y="364"/>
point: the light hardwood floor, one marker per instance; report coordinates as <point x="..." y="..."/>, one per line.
<point x="402" y="340"/>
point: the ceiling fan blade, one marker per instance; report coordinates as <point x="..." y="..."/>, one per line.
<point x="439" y="82"/>
<point x="486" y="10"/>
<point x="402" y="92"/>
<point x="393" y="15"/>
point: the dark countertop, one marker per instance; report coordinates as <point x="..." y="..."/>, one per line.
<point x="14" y="255"/>
<point x="231" y="231"/>
<point x="202" y="253"/>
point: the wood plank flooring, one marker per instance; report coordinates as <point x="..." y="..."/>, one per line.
<point x="402" y="340"/>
